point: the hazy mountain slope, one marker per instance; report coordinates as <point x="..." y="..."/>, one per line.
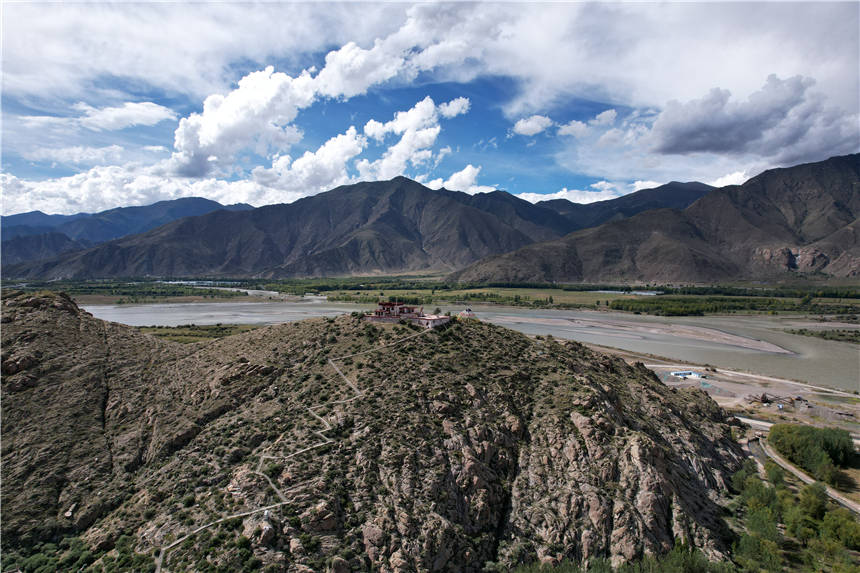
<point x="446" y="449"/>
<point x="673" y="195"/>
<point x="795" y="220"/>
<point x="374" y="227"/>
<point x="122" y="221"/>
<point x="22" y="231"/>
<point x="107" y="225"/>
<point x="38" y="219"/>
<point x="85" y="230"/>
<point x="382" y="226"/>
<point x="36" y="247"/>
<point x="523" y="215"/>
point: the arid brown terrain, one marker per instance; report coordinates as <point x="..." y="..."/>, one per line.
<point x="336" y="443"/>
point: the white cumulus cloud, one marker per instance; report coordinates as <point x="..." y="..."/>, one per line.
<point x="464" y="180"/>
<point x="532" y="125"/>
<point x="258" y="112"/>
<point x="573" y="128"/>
<point x="315" y="171"/>
<point x="735" y="178"/>
<point x="418" y="128"/>
<point x="105" y="187"/>
<point x="604" y="118"/>
<point x="351" y="70"/>
<point x="454" y="107"/>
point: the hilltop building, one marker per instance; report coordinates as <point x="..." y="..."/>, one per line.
<point x="397" y="311"/>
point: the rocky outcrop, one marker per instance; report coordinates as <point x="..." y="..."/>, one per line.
<point x="466" y="446"/>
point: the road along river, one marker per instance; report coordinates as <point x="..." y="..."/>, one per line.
<point x="750" y="343"/>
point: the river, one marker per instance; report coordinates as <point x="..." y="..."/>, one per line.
<point x="757" y="344"/>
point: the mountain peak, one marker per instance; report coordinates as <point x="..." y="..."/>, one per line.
<point x="783" y="222"/>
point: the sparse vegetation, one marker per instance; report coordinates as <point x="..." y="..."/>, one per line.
<point x="841" y="335"/>
<point x="681" y="559"/>
<point x="791" y="529"/>
<point x="196" y="333"/>
<point x="472" y="409"/>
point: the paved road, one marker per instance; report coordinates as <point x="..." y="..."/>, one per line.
<point x="765" y="426"/>
<point x="756" y="376"/>
<point x="760" y="446"/>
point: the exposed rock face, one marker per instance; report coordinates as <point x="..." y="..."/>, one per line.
<point x="465" y="446"/>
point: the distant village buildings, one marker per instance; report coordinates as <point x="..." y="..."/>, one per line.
<point x="397" y="311"/>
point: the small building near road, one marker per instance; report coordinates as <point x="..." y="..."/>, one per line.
<point x="688" y="374"/>
<point x="397" y="311"/>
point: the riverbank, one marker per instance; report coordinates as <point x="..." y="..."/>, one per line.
<point x="740" y="392"/>
<point x="742" y="343"/>
<point x="105" y="299"/>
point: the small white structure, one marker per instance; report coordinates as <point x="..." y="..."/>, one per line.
<point x="431" y="320"/>
<point x="467" y="313"/>
<point x="688" y="374"/>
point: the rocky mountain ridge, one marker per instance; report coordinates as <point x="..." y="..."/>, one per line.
<point x="783" y="223"/>
<point x="336" y="443"/>
<point x="366" y="228"/>
<point x="672" y="195"/>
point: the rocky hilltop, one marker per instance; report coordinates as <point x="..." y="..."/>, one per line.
<point x="334" y="443"/>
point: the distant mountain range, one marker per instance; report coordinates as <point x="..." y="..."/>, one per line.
<point x="783" y="222"/>
<point x="374" y="227"/>
<point x="35" y="235"/>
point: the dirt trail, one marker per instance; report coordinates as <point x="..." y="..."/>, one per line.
<point x="164" y="551"/>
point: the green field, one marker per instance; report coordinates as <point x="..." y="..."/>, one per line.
<point x="537" y="297"/>
<point x="128" y="292"/>
<point x="432" y="290"/>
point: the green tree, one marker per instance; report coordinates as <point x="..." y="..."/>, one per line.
<point x="838" y="524"/>
<point x="775" y="473"/>
<point x="813" y="500"/>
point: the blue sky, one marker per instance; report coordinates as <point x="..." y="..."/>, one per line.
<point x="127" y="104"/>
